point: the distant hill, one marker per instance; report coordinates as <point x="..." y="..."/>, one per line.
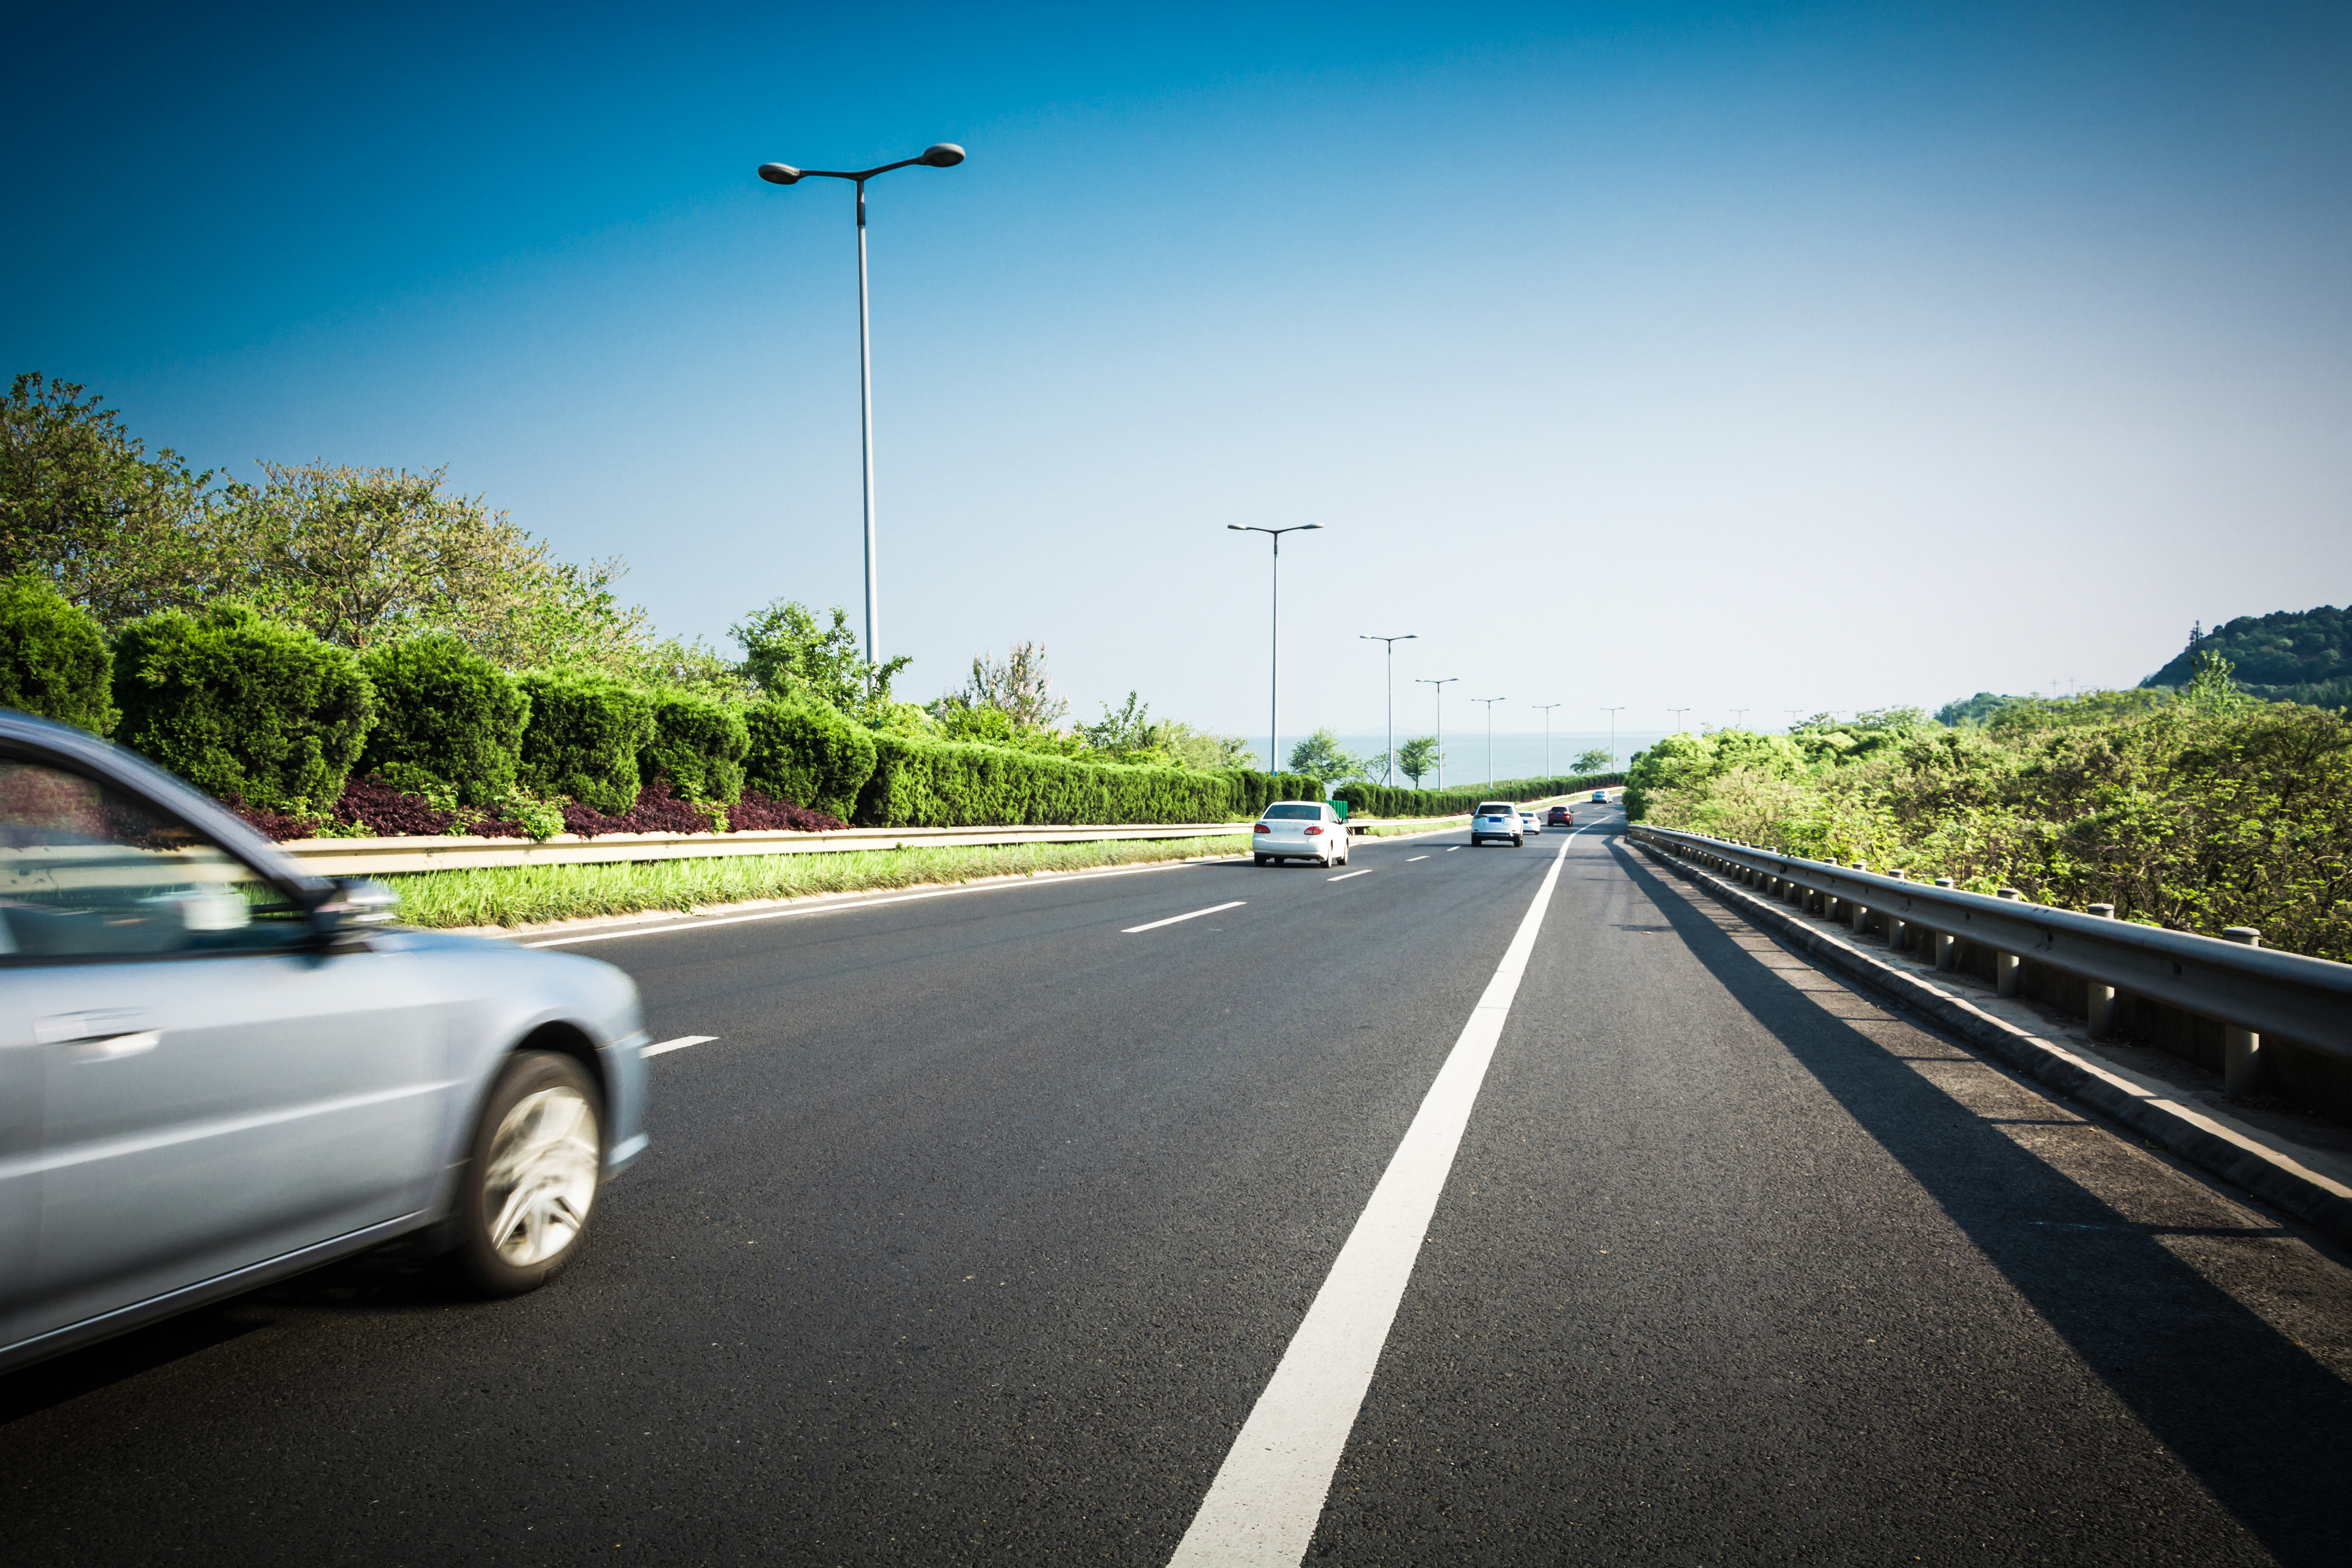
<point x="2291" y="656"/>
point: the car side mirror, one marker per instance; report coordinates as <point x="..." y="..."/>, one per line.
<point x="353" y="901"/>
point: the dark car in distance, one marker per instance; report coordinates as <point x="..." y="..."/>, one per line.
<point x="1557" y="816"/>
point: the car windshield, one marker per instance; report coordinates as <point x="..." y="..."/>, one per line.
<point x="1293" y="811"/>
<point x="1496" y="808"/>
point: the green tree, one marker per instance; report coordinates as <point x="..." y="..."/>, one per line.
<point x="1321" y="756"/>
<point x="1595" y="761"/>
<point x="1021" y="686"/>
<point x="1418" y="757"/>
<point x="786" y="653"/>
<point x="360" y="556"/>
<point x="83" y="506"/>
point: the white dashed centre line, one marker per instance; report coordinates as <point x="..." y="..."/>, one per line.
<point x="678" y="1044"/>
<point x="1345" y="875"/>
<point x="1171" y="920"/>
<point x="1411" y="859"/>
<point x="1452" y="847"/>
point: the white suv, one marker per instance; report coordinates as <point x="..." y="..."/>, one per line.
<point x="1300" y="830"/>
<point x="1496" y="819"/>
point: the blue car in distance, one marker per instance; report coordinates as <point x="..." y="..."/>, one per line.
<point x="217" y="1070"/>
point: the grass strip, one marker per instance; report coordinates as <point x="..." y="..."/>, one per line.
<point x="533" y="895"/>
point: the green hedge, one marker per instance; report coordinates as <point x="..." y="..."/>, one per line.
<point x="1254" y="791"/>
<point x="1378" y="800"/>
<point x="446" y="719"/>
<point x="53" y="660"/>
<point x="242" y="708"/>
<point x="810" y="754"/>
<point x="932" y="783"/>
<point x="583" y="737"/>
<point x="699" y="742"/>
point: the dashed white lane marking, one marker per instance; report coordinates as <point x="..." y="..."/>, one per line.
<point x="1452" y="847"/>
<point x="1411" y="859"/>
<point x="1345" y="875"/>
<point x="678" y="1044"/>
<point x="1171" y="920"/>
<point x="1262" y="1510"/>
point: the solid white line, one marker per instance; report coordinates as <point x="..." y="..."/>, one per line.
<point x="678" y="1044"/>
<point x="1171" y="920"/>
<point x="1345" y="875"/>
<point x="1262" y="1510"/>
<point x="1004" y="885"/>
<point x="1411" y="859"/>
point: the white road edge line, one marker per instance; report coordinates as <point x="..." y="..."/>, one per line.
<point x="857" y="901"/>
<point x="678" y="1044"/>
<point x="1345" y="875"/>
<point x="1171" y="920"/>
<point x="1268" y="1497"/>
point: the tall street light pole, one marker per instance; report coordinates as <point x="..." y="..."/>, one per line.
<point x="1490" y="702"/>
<point x="1387" y="766"/>
<point x="1546" y="708"/>
<point x="1612" y="714"/>
<point x="940" y="155"/>
<point x="1678" y="713"/>
<point x="1441" y="685"/>
<point x="1273" y="720"/>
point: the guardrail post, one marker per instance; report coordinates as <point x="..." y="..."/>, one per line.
<point x="1857" y="915"/>
<point x="2241" y="1050"/>
<point x="1896" y="930"/>
<point x="2099" y="1001"/>
<point x="2007" y="966"/>
<point x="1947" y="946"/>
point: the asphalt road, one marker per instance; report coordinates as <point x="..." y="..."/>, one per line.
<point x="978" y="1227"/>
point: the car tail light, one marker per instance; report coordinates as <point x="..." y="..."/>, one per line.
<point x="1260" y="828"/>
<point x="1314" y="830"/>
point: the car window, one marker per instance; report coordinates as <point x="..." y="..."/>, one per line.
<point x="1294" y="811"/>
<point x="88" y="870"/>
<point x="1496" y="808"/>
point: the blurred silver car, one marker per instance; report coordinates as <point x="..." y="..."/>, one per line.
<point x="217" y="1069"/>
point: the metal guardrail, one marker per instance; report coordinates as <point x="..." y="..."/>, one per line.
<point x="381" y="857"/>
<point x="385" y="857"/>
<point x="2250" y="990"/>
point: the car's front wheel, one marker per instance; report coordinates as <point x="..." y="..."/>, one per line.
<point x="530" y="1177"/>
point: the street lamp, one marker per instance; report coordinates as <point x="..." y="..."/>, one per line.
<point x="1274" y="730"/>
<point x="1440" y="694"/>
<point x="1738" y="717"/>
<point x="1612" y="714"/>
<point x="1546" y="708"/>
<point x="1678" y="713"/>
<point x="1387" y="766"/>
<point x="941" y="155"/>
<point x="1490" y="702"/>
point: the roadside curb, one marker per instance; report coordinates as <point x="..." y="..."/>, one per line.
<point x="2248" y="1158"/>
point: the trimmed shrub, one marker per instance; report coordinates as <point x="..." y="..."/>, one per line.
<point x="809" y="754"/>
<point x="757" y="813"/>
<point x="698" y="745"/>
<point x="243" y="708"/>
<point x="583" y="736"/>
<point x="446" y="719"/>
<point x="932" y="783"/>
<point x="1254" y="791"/>
<point x="54" y="661"/>
<point x="1379" y="800"/>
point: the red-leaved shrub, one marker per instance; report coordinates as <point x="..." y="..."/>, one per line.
<point x="757" y="813"/>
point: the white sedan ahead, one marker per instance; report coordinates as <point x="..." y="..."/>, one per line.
<point x="1300" y="830"/>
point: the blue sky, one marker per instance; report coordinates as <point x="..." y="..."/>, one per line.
<point x="1735" y="358"/>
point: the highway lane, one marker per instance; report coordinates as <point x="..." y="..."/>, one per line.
<point x="978" y="1225"/>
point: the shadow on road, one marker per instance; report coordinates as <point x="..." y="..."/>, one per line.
<point x="2266" y="1428"/>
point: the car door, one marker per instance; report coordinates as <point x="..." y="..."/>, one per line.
<point x="217" y="1085"/>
